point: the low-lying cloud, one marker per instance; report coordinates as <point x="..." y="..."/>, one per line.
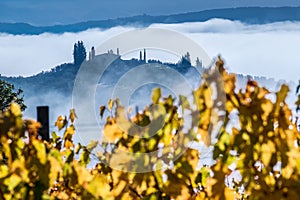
<point x="228" y="26"/>
<point x="270" y="50"/>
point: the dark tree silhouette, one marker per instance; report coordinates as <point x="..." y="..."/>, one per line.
<point x="79" y="53"/>
<point x="8" y="95"/>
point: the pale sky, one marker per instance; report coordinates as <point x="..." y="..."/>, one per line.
<point x="42" y="12"/>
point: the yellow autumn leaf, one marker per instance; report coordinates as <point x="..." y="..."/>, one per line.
<point x="270" y="180"/>
<point x="288" y="170"/>
<point x="63" y="195"/>
<point x="262" y="92"/>
<point x="12" y="182"/>
<point x="4" y="171"/>
<point x="72" y="115"/>
<point x="282" y="93"/>
<point x="184" y="102"/>
<point x="32" y="128"/>
<point x="83" y="174"/>
<point x="55" y="169"/>
<point x="15" y="109"/>
<point x="207" y="94"/>
<point x="267" y="149"/>
<point x="120" y="159"/>
<point x="110" y="104"/>
<point x="229" y="83"/>
<point x="100" y="181"/>
<point x="41" y="151"/>
<point x="70" y="131"/>
<point x="61" y="122"/>
<point x="205" y="137"/>
<point x="112" y="132"/>
<point x="156" y="94"/>
<point x="267" y="107"/>
<point x="68" y="144"/>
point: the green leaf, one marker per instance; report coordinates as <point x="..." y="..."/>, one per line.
<point x="55" y="137"/>
<point x="84" y="158"/>
<point x="198" y="178"/>
<point x="184" y="103"/>
<point x="69" y="155"/>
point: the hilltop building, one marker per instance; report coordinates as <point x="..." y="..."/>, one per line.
<point x="141" y="56"/>
<point x="92" y="53"/>
<point x="144" y="59"/>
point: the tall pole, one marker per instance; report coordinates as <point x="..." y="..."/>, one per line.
<point x="43" y="118"/>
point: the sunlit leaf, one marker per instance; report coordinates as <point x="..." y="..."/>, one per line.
<point x="12" y="182"/>
<point x="15" y="109"/>
<point x="98" y="182"/>
<point x="68" y="144"/>
<point x="110" y="104"/>
<point x="267" y="150"/>
<point x="156" y="94"/>
<point x="61" y="122"/>
<point x="41" y="151"/>
<point x="112" y="132"/>
<point x="4" y="171"/>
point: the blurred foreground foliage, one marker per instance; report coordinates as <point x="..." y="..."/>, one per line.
<point x="258" y="139"/>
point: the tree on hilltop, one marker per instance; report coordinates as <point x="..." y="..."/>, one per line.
<point x="79" y="53"/>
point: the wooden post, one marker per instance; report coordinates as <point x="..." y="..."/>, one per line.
<point x="43" y="118"/>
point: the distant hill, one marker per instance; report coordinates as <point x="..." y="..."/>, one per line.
<point x="60" y="79"/>
<point x="250" y="15"/>
<point x="54" y="88"/>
